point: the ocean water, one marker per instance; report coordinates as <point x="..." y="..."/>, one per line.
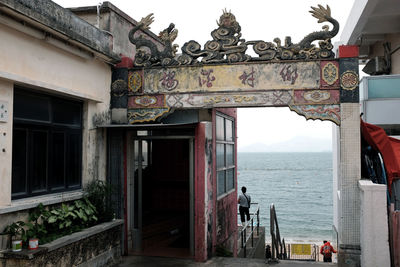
<point x="300" y="187"/>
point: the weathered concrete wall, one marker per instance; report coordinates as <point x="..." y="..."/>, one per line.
<point x="374" y="234"/>
<point x="203" y="218"/>
<point x="349" y="195"/>
<point x="64" y="22"/>
<point x="6" y="125"/>
<point x="99" y="245"/>
<point x="116" y="22"/>
<point x="227" y="222"/>
<point x="32" y="62"/>
<point x="35" y="62"/>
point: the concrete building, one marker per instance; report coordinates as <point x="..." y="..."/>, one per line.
<point x="164" y="137"/>
<point x="55" y="76"/>
<point x="374" y="26"/>
<point x="58" y="132"/>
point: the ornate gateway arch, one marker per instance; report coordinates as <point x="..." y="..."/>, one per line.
<point x="303" y="76"/>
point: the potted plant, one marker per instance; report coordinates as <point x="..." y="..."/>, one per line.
<point x="36" y="230"/>
<point x="16" y="232"/>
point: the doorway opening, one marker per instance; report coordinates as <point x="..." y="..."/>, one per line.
<point x="162" y="190"/>
<point x="290" y="162"/>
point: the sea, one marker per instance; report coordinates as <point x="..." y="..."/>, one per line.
<point x="300" y="187"/>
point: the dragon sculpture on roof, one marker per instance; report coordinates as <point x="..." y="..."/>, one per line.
<point x="227" y="46"/>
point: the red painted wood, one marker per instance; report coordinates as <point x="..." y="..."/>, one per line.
<point x="348" y="51"/>
<point x="395" y="217"/>
<point x="126" y="62"/>
<point x="125" y="198"/>
<point x="200" y="245"/>
<point x="323" y="83"/>
<point x="224" y="209"/>
<point x="214" y="180"/>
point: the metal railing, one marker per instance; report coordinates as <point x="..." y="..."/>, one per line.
<point x="243" y="237"/>
<point x="278" y="246"/>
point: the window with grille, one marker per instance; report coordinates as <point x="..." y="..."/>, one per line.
<point x="225" y="151"/>
<point x="47" y="144"/>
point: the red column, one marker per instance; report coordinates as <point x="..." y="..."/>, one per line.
<point x="200" y="244"/>
<point x="348" y="51"/>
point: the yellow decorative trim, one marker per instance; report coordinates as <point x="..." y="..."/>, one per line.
<point x="349" y="80"/>
<point x="152" y="115"/>
<point x="317" y="96"/>
<point x="151" y="100"/>
<point x="135" y="82"/>
<point x="332" y="72"/>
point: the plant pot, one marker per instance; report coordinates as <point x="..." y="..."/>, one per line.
<point x="33" y="243"/>
<point x="16" y="245"/>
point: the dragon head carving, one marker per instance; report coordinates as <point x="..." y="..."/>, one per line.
<point x="228" y="20"/>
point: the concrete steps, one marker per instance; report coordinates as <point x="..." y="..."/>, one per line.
<point x="214" y="262"/>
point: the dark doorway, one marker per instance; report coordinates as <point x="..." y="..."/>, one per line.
<point x="166" y="198"/>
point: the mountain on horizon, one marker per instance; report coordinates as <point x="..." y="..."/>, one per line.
<point x="296" y="144"/>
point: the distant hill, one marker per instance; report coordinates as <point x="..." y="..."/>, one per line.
<point x="296" y="144"/>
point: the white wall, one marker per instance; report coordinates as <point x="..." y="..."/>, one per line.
<point x="335" y="173"/>
<point x="382" y="111"/>
<point x="373" y="225"/>
<point x="6" y="98"/>
<point x="37" y="64"/>
<point x="30" y="60"/>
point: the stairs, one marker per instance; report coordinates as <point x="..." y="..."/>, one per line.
<point x="258" y="248"/>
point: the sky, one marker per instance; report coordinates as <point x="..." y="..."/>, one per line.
<point x="259" y="20"/>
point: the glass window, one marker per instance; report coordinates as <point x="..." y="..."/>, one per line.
<point x="19" y="168"/>
<point x="229" y="155"/>
<point x="65" y="112"/>
<point x="47" y="144"/>
<point x="59" y="160"/>
<point x="74" y="160"/>
<point x="39" y="161"/>
<point x="225" y="153"/>
<point x="229" y="130"/>
<point x="31" y="107"/>
<point x="220" y="128"/>
<point x="220" y="156"/>
<point x="230" y="179"/>
<point x="220" y="182"/>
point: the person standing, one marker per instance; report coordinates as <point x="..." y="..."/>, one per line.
<point x="327" y="251"/>
<point x="244" y="201"/>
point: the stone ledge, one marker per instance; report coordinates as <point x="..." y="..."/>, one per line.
<point x="75" y="237"/>
<point x="32" y="202"/>
<point x="63" y="21"/>
<point x="26" y="254"/>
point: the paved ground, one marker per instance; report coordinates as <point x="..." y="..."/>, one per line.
<point x="214" y="262"/>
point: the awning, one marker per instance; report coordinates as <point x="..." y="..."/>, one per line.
<point x="388" y="147"/>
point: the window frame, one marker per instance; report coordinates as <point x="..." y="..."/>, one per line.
<point x="71" y="176"/>
<point x="225" y="167"/>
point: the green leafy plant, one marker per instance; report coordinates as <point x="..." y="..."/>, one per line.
<point x="62" y="217"/>
<point x="99" y="194"/>
<point x="69" y="218"/>
<point x="36" y="229"/>
<point x="85" y="211"/>
<point x="16" y="231"/>
<point x="49" y="224"/>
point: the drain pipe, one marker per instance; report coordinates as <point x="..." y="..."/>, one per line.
<point x="99" y="5"/>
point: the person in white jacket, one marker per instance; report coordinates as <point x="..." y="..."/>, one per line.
<point x="244" y="201"/>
